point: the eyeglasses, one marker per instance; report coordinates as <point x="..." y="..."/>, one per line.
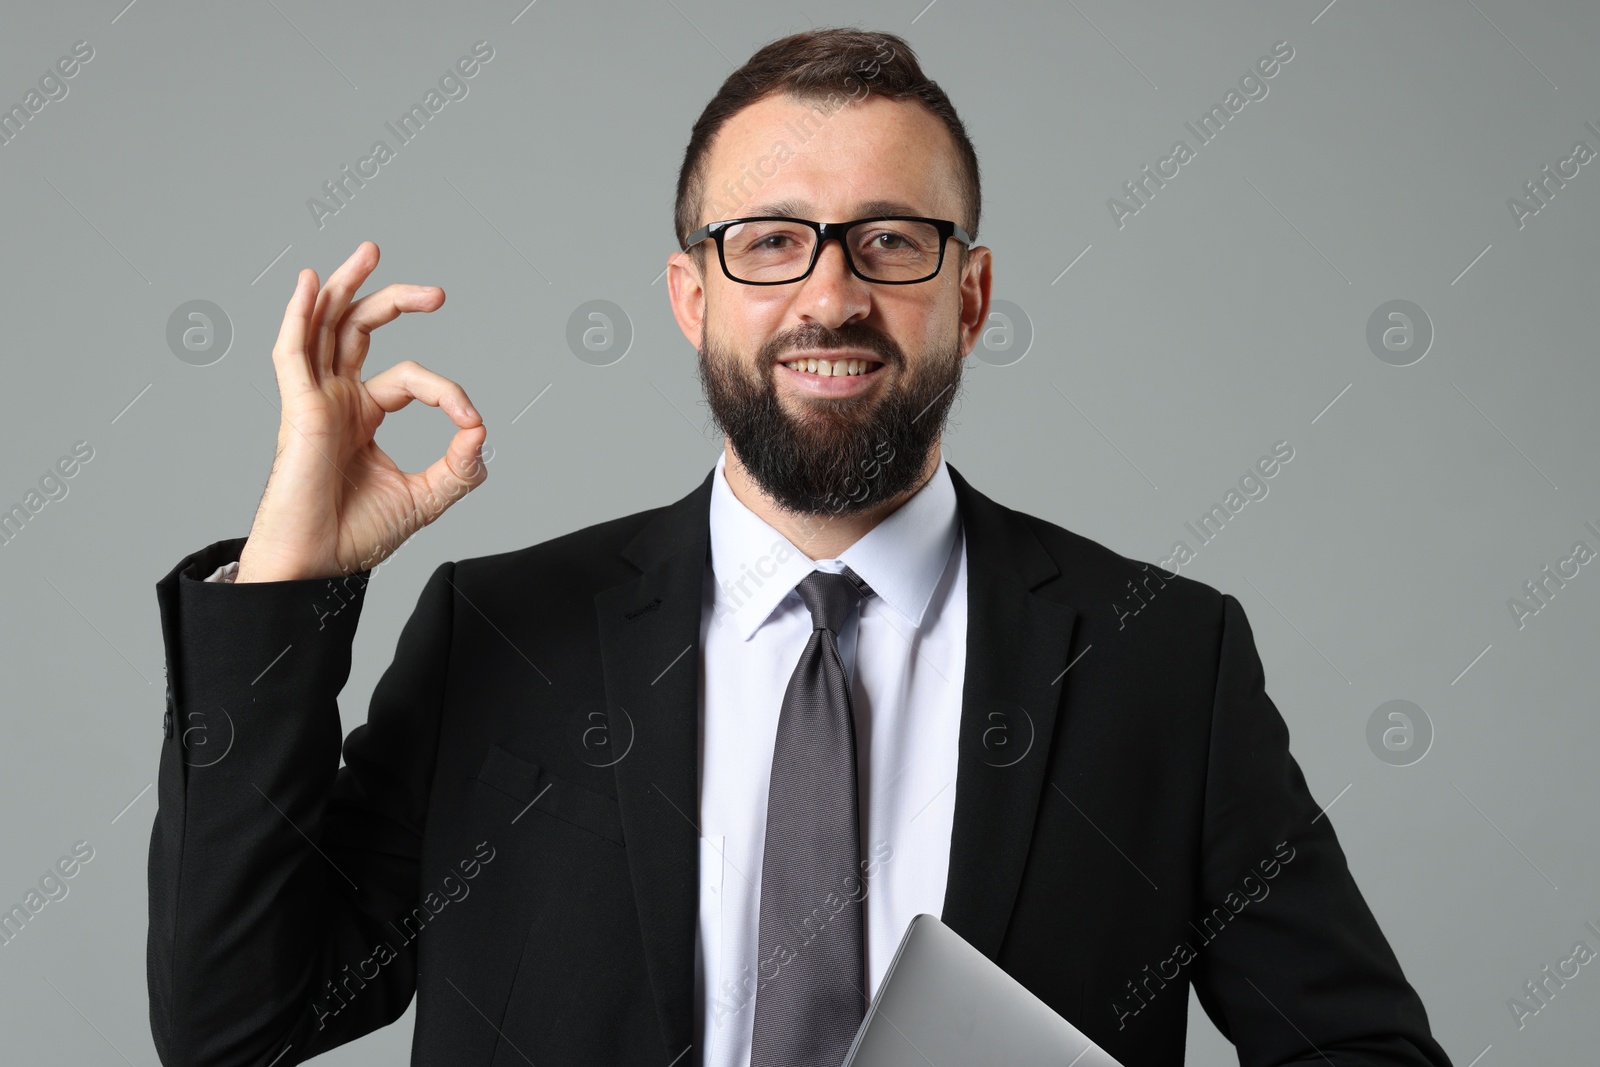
<point x="777" y="250"/>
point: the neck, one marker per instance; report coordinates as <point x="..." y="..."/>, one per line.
<point x="826" y="534"/>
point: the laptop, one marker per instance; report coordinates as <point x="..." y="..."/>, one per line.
<point x="943" y="1002"/>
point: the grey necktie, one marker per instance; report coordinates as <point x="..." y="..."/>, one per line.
<point x="811" y="982"/>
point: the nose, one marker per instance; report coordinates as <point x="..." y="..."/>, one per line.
<point x="831" y="293"/>
<point x="837" y="263"/>
<point x="832" y="283"/>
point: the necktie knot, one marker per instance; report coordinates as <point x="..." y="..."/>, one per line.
<point x="831" y="597"/>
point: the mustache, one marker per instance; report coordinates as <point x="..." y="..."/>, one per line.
<point x="814" y="336"/>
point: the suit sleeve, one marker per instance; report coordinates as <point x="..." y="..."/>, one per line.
<point x="1290" y="963"/>
<point x="273" y="871"/>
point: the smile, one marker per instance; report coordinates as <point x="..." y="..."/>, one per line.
<point x="844" y="377"/>
<point x="837" y="368"/>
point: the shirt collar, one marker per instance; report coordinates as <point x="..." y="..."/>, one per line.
<point x="901" y="558"/>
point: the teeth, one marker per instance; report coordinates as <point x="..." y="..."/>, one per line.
<point x="830" y="368"/>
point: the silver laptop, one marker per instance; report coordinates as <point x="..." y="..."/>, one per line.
<point x="943" y="1002"/>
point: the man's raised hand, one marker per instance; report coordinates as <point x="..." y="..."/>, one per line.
<point x="335" y="503"/>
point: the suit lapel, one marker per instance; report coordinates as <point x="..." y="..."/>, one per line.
<point x="649" y="630"/>
<point x="1017" y="651"/>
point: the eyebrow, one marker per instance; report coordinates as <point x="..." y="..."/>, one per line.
<point x="795" y="209"/>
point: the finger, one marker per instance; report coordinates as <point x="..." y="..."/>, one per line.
<point x="452" y="475"/>
<point x="333" y="300"/>
<point x="289" y="357"/>
<point x="372" y="311"/>
<point x="409" y="380"/>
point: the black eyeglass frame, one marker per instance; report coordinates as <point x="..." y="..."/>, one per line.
<point x="826" y="231"/>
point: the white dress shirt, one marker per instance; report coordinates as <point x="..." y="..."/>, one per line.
<point x="905" y="654"/>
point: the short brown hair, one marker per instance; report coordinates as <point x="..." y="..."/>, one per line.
<point x="821" y="65"/>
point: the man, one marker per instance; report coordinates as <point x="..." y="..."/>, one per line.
<point x="666" y="790"/>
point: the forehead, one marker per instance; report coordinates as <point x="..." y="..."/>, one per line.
<point x="780" y="156"/>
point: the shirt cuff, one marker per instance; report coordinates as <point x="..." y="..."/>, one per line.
<point x="225" y="573"/>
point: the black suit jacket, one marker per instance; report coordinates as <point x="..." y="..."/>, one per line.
<point x="512" y="833"/>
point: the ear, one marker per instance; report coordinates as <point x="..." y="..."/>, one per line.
<point x="976" y="281"/>
<point x="686" y="290"/>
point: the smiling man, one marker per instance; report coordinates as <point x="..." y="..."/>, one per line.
<point x="723" y="750"/>
<point x="813" y="371"/>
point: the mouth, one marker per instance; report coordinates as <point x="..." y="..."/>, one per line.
<point x="834" y="364"/>
<point x="842" y="376"/>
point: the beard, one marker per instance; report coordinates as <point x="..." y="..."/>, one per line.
<point x="839" y="455"/>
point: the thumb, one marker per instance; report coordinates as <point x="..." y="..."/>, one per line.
<point x="460" y="470"/>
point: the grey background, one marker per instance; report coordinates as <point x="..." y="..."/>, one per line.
<point x="1230" y="313"/>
